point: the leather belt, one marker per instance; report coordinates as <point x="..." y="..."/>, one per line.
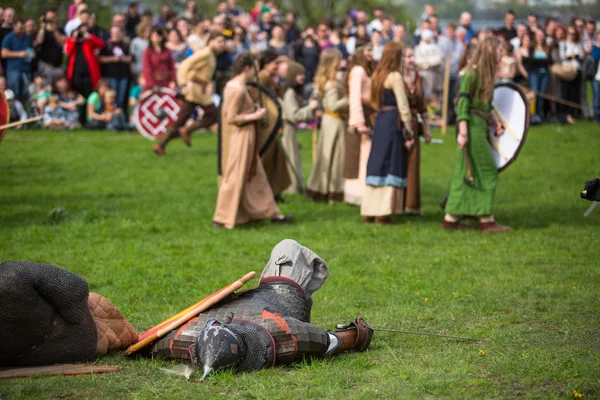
<point x="199" y="81"/>
<point x="332" y="114"/>
<point x="484" y="115"/>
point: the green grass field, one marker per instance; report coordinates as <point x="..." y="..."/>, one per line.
<point x="138" y="229"/>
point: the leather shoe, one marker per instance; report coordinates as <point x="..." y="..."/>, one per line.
<point x="368" y="220"/>
<point x="492" y="227"/>
<point x="158" y="150"/>
<point x="455" y="226"/>
<point x="385" y="221"/>
<point x="282" y="219"/>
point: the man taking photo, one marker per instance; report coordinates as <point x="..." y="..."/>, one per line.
<point x="49" y="41"/>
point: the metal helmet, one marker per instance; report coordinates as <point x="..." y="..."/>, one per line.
<point x="218" y="347"/>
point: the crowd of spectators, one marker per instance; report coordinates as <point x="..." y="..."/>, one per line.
<point x="75" y="73"/>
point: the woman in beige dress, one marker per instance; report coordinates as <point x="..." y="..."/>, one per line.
<point x="392" y="139"/>
<point x="244" y="191"/>
<point x="358" y="137"/>
<point x="326" y="180"/>
<point x="295" y="110"/>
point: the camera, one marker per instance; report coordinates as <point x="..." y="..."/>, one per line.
<point x="79" y="35"/>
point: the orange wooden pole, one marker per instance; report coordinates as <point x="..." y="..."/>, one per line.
<point x="187" y="314"/>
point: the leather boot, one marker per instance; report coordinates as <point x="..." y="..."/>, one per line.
<point x="184" y="133"/>
<point x="355" y="336"/>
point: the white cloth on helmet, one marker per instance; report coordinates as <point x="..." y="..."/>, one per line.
<point x="291" y="260"/>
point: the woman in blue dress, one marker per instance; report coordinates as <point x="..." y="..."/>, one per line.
<point x="392" y="138"/>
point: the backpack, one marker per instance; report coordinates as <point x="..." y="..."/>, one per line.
<point x="588" y="68"/>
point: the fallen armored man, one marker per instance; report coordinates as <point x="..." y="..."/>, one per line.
<point x="49" y="317"/>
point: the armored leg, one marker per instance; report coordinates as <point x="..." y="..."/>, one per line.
<point x="355" y="336"/>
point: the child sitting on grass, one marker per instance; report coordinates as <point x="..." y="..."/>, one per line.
<point x="70" y="103"/>
<point x="39" y="93"/>
<point x="117" y="122"/>
<point x="54" y="117"/>
<point x="15" y="107"/>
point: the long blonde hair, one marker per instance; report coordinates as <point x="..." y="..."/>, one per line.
<point x="485" y="62"/>
<point x="328" y="63"/>
<point x="391" y="61"/>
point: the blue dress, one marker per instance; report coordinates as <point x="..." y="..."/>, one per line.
<point x="388" y="160"/>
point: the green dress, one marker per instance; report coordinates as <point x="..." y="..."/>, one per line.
<point x="476" y="199"/>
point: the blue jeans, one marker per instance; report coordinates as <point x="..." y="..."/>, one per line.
<point x="596" y="100"/>
<point x="118" y="122"/>
<point x="538" y="81"/>
<point x="18" y="83"/>
<point x="120" y="85"/>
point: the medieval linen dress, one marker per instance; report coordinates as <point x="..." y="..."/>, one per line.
<point x="244" y="192"/>
<point x="326" y="180"/>
<point x="416" y="101"/>
<point x="386" y="169"/>
<point x="358" y="146"/>
<point x="293" y="113"/>
<point x="476" y="199"/>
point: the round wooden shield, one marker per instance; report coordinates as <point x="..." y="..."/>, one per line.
<point x="265" y="131"/>
<point x="4" y="114"/>
<point x="512" y="109"/>
<point x="155" y="112"/>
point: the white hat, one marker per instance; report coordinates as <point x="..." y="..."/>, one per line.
<point x="427" y="34"/>
<point x="9" y="94"/>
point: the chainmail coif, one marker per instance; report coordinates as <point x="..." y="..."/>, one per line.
<point x="34" y="296"/>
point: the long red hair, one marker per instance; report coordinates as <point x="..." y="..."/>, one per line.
<point x="391" y="61"/>
<point x="359" y="59"/>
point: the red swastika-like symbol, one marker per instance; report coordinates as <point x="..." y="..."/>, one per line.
<point x="156" y="112"/>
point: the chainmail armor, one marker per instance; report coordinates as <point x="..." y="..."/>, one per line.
<point x="34" y="296"/>
<point x="258" y="346"/>
<point x="279" y="297"/>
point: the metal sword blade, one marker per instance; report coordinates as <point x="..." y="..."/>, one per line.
<point x="589" y="210"/>
<point x="429" y="334"/>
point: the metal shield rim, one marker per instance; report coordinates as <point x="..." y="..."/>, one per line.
<point x="136" y="110"/>
<point x="518" y="89"/>
<point x="275" y="131"/>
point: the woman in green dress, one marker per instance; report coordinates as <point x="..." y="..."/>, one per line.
<point x="475" y="117"/>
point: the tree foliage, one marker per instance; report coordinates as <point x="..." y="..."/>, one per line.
<point x="35" y="9"/>
<point x="308" y="12"/>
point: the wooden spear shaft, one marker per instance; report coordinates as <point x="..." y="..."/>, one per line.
<point x="17" y="123"/>
<point x="446" y="94"/>
<point x="182" y="319"/>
